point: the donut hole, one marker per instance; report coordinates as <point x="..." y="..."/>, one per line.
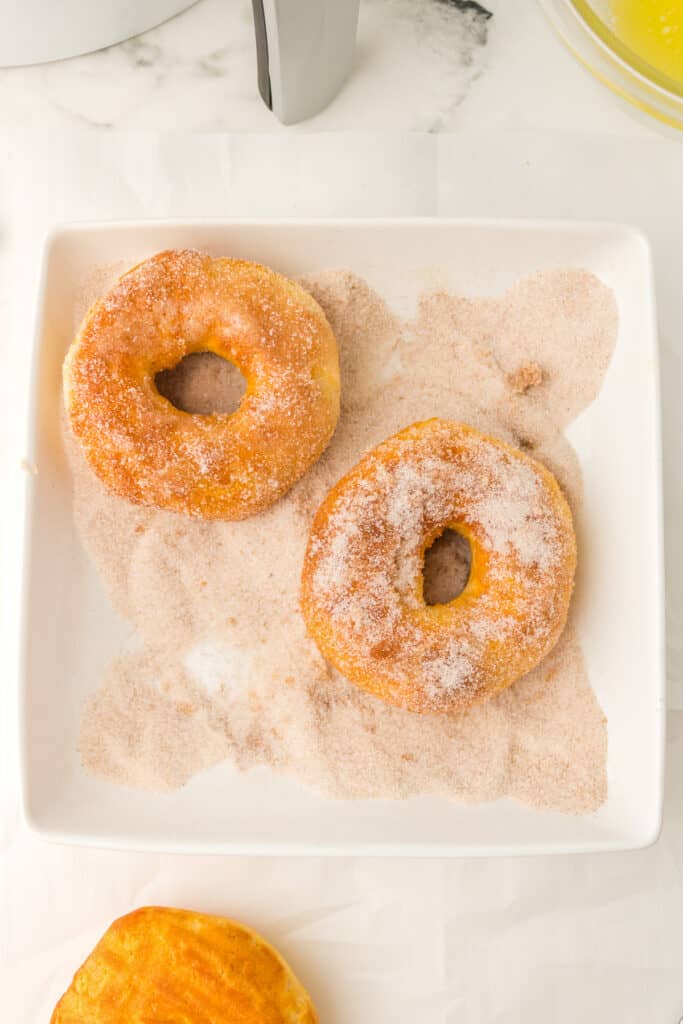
<point x="202" y="383"/>
<point x="446" y="569"/>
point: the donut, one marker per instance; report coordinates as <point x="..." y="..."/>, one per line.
<point x="362" y="585"/>
<point x="211" y="466"/>
<point x="159" y="965"/>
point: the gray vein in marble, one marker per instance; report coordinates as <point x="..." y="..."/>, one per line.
<point x="417" y="60"/>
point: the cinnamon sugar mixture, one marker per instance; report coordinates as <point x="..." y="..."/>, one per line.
<point x="225" y="670"/>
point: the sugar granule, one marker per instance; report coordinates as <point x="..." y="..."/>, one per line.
<point x="241" y="682"/>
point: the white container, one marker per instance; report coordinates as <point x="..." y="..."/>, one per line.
<point x="70" y="632"/>
<point x="34" y="31"/>
<point x="304" y="48"/>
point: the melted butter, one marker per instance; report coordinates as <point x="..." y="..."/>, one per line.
<point x="653" y="29"/>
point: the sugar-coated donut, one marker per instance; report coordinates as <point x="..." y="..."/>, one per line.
<point x="362" y="596"/>
<point x="212" y="466"/>
<point x="159" y="965"/>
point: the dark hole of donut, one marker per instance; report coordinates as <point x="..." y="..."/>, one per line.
<point x="446" y="568"/>
<point x="202" y="383"/>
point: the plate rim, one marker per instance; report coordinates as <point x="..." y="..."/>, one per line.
<point x="641" y="840"/>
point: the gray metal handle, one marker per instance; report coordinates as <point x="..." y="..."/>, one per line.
<point x="305" y="51"/>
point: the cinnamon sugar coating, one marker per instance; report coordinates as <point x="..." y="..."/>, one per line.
<point x="362" y="586"/>
<point x="214" y="466"/>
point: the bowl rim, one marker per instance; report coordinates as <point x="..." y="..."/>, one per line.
<point x="603" y="34"/>
<point x="613" y="63"/>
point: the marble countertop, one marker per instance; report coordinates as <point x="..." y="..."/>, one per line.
<point x="509" y="126"/>
<point x="422" y="65"/>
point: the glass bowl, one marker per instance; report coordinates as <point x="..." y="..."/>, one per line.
<point x="591" y="32"/>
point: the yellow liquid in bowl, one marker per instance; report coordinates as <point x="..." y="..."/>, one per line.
<point x="652" y="29"/>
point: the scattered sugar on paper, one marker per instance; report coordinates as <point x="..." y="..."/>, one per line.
<point x="239" y="680"/>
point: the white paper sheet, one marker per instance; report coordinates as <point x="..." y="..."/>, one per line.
<point x="486" y="942"/>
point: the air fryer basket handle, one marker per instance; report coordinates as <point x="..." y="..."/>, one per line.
<point x="305" y="51"/>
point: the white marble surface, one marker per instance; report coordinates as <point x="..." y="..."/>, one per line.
<point x="595" y="939"/>
<point x="421" y="66"/>
<point x="514" y="941"/>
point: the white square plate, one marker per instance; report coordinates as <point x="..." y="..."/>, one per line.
<point x="71" y="633"/>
